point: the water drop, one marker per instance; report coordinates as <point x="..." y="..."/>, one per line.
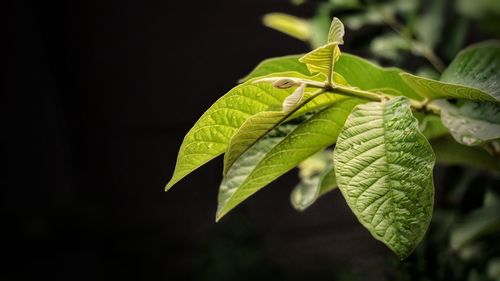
<point x="473" y="130"/>
<point x="469" y="140"/>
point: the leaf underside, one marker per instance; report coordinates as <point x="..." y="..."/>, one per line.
<point x="383" y="166"/>
<point x="472" y="123"/>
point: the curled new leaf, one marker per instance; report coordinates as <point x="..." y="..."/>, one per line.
<point x="294" y="99"/>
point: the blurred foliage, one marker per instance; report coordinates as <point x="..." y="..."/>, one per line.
<point x="397" y="31"/>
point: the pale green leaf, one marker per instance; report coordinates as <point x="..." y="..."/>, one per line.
<point x="383" y="166"/>
<point x="288" y="24"/>
<point x="244" y="178"/>
<point x="277" y="65"/>
<point x="336" y="32"/>
<point x="471" y="123"/>
<point x="294" y="99"/>
<point x="210" y="135"/>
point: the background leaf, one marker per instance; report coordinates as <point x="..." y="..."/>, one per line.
<point x="317" y="178"/>
<point x="288" y="24"/>
<point x="383" y="166"/>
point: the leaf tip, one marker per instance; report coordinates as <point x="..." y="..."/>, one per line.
<point x="169" y="185"/>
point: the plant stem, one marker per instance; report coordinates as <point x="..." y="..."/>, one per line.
<point x="357" y="93"/>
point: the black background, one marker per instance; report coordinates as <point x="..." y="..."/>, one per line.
<point x="98" y="97"/>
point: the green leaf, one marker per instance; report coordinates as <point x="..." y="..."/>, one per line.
<point x="261" y="123"/>
<point x="472" y="75"/>
<point x="371" y="77"/>
<point x="317" y="178"/>
<point x="245" y="177"/>
<point x="210" y="135"/>
<point x="276" y="65"/>
<point x="383" y="166"/>
<point x="472" y="123"/>
<point x="449" y="152"/>
<point x="477" y="66"/>
<point x="433" y="89"/>
<point x="288" y="24"/>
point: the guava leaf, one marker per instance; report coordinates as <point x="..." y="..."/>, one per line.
<point x="383" y="166"/>
<point x="472" y="75"/>
<point x="245" y="177"/>
<point x="210" y="135"/>
<point x="477" y="66"/>
<point x="258" y="125"/>
<point x="277" y="65"/>
<point x="471" y="123"/>
<point x="370" y="77"/>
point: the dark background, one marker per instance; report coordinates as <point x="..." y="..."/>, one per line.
<point x="96" y="99"/>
